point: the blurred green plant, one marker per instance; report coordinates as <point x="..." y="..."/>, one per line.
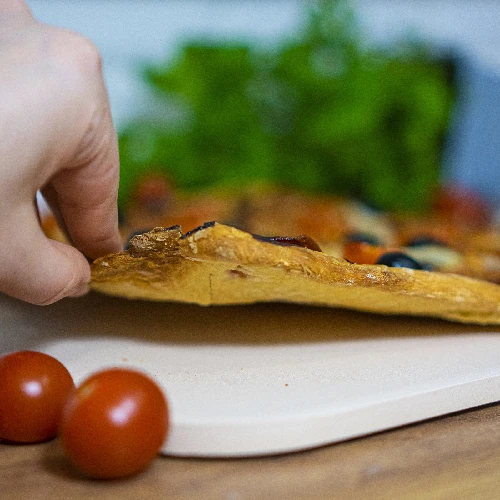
<point x="323" y="111"/>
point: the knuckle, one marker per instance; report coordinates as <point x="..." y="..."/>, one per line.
<point x="16" y="7"/>
<point x="80" y="53"/>
<point x="88" y="55"/>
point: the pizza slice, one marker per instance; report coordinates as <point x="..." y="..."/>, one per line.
<point x="347" y="255"/>
<point x="344" y="228"/>
<point x="216" y="264"/>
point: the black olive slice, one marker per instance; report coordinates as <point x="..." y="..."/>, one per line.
<point x="302" y="240"/>
<point x="199" y="228"/>
<point x="399" y="259"/>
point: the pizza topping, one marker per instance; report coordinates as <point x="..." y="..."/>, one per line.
<point x="196" y="229"/>
<point x="360" y="252"/>
<point x="437" y="256"/>
<point x="160" y="240"/>
<point x="362" y="237"/>
<point x="135" y="233"/>
<point x="463" y="206"/>
<point x="363" y="253"/>
<point x="302" y="240"/>
<point x="153" y="193"/>
<point x="398" y="259"/>
<point x="424" y="240"/>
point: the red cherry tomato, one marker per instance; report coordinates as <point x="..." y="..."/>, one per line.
<point x="114" y="423"/>
<point x="33" y="390"/>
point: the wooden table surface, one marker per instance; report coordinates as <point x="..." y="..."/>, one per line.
<point x="454" y="457"/>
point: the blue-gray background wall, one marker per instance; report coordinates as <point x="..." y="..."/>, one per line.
<point x="130" y="31"/>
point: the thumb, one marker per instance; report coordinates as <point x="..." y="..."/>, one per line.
<point x="39" y="270"/>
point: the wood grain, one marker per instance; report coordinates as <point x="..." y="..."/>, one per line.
<point x="455" y="457"/>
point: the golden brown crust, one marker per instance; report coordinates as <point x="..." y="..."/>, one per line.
<point x="332" y="222"/>
<point x="222" y="265"/>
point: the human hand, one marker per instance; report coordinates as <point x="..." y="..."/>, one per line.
<point x="56" y="135"/>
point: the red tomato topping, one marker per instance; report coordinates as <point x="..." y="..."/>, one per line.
<point x="153" y="192"/>
<point x="114" y="424"/>
<point x="363" y="253"/>
<point x="34" y="388"/>
<point x="462" y="206"/>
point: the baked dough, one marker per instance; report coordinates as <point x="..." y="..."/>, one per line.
<point x="218" y="264"/>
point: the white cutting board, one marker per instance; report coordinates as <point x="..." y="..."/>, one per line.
<point x="271" y="378"/>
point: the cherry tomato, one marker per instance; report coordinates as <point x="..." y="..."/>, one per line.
<point x="34" y="388"/>
<point x="114" y="423"/>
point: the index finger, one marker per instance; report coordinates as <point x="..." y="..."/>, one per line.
<point x="87" y="190"/>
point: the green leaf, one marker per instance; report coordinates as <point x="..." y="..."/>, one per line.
<point x="320" y="111"/>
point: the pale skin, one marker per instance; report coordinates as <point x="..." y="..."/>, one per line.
<point x="57" y="136"/>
